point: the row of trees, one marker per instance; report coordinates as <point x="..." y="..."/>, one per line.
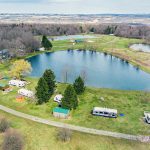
<point x="12" y="31"/>
<point x="46" y="87"/>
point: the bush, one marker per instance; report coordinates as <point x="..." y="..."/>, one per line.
<point x="64" y="135"/>
<point x="12" y="141"/>
<point x="4" y="125"/>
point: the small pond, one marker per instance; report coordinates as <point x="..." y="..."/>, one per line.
<point x="98" y="69"/>
<point x="141" y="47"/>
<point x="68" y="37"/>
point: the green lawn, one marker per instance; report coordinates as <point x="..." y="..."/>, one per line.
<point x="41" y="137"/>
<point x="131" y="103"/>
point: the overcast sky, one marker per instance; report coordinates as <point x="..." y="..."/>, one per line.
<point x="75" y="6"/>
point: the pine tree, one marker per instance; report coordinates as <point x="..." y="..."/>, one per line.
<point x="50" y="80"/>
<point x="46" y="43"/>
<point x="79" y="85"/>
<point x="70" y="100"/>
<point x="42" y="93"/>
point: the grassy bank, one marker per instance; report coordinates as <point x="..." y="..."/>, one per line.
<point x="42" y="137"/>
<point x="131" y="103"/>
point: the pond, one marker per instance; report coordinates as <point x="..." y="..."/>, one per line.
<point x="97" y="69"/>
<point x="141" y="47"/>
<point x="68" y="37"/>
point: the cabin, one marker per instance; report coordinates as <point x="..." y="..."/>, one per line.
<point x="58" y="98"/>
<point x="147" y="117"/>
<point x="17" y="83"/>
<point x="4" y="54"/>
<point x="26" y="93"/>
<point x="105" y="112"/>
<point x="61" y="113"/>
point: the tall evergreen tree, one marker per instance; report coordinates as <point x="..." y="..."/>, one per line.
<point x="46" y="43"/>
<point x="70" y="100"/>
<point x="50" y="80"/>
<point x="42" y="93"/>
<point x="79" y="85"/>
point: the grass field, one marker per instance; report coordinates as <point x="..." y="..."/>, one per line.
<point x="131" y="103"/>
<point x="42" y="137"/>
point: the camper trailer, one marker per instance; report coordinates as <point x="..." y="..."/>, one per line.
<point x="26" y="93"/>
<point x="147" y="117"/>
<point x="17" y="83"/>
<point x="105" y="112"/>
<point x="58" y="98"/>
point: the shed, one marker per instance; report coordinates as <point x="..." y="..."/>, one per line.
<point x="79" y="41"/>
<point x="61" y="112"/>
<point x="25" y="92"/>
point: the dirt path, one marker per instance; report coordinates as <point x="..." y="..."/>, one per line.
<point x="75" y="128"/>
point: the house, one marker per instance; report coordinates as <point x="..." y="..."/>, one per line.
<point x="58" y="98"/>
<point x="4" y="54"/>
<point x="17" y="83"/>
<point x="61" y="113"/>
<point x="26" y="93"/>
<point x="105" y="112"/>
<point x="147" y="117"/>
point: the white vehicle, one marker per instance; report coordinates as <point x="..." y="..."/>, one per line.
<point x="147" y="117"/>
<point x="105" y="112"/>
<point x="17" y="83"/>
<point x="58" y="98"/>
<point x="26" y="93"/>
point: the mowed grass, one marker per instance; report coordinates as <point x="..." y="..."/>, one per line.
<point x="42" y="137"/>
<point x="131" y="103"/>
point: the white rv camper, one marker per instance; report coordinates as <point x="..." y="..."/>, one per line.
<point x="105" y="112"/>
<point x="26" y="93"/>
<point x="147" y="117"/>
<point x="17" y="83"/>
<point x="58" y="98"/>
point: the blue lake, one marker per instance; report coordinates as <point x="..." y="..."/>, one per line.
<point x="98" y="69"/>
<point x="68" y="37"/>
<point x="141" y="47"/>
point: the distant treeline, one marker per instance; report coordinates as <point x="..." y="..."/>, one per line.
<point x="21" y="36"/>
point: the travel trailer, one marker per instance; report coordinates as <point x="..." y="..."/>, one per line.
<point x="147" y="117"/>
<point x="58" y="98"/>
<point x="17" y="83"/>
<point x="105" y="112"/>
<point x="26" y="93"/>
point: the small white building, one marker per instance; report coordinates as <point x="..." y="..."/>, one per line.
<point x="41" y="49"/>
<point x="25" y="92"/>
<point x="58" y="98"/>
<point x="147" y="117"/>
<point x="105" y="112"/>
<point x="17" y="83"/>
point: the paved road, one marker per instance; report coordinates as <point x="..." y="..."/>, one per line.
<point x="76" y="128"/>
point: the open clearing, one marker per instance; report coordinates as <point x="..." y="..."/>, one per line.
<point x="42" y="137"/>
